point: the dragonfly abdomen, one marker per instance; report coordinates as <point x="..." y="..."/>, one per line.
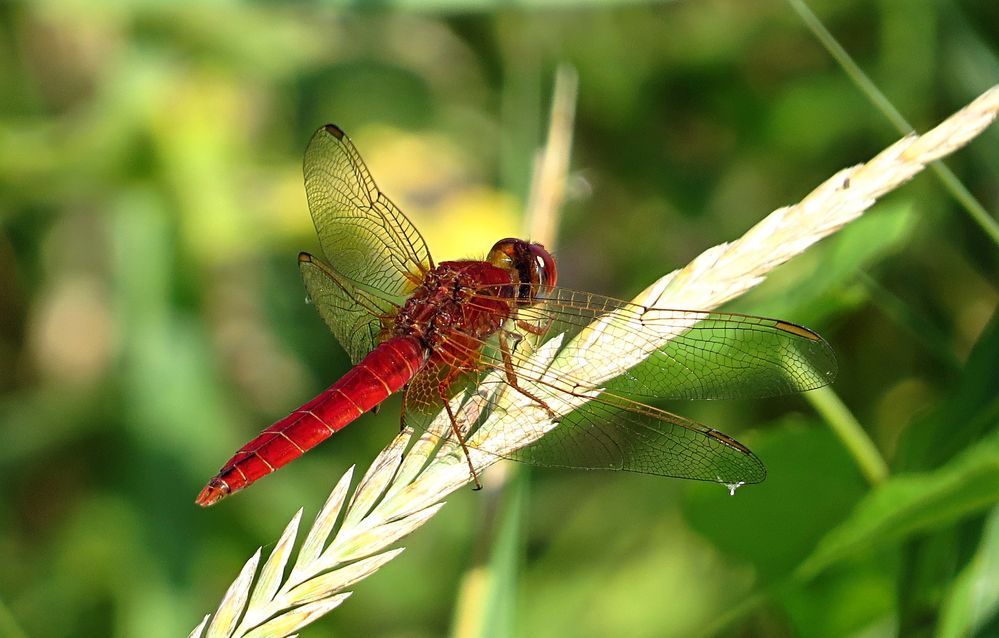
<point x="384" y="371"/>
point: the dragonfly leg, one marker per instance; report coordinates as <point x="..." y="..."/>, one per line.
<point x="515" y="339"/>
<point x="511" y="378"/>
<point x="442" y="389"/>
<point x="527" y="326"/>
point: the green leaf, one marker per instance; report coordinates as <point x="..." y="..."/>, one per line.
<point x="811" y="485"/>
<point x="974" y="596"/>
<point x="972" y="403"/>
<point x="912" y="504"/>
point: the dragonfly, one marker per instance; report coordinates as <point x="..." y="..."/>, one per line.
<point x="438" y="331"/>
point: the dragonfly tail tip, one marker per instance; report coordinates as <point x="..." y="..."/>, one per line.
<point x="215" y="491"/>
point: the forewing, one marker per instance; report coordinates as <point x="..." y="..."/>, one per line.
<point x="680" y="354"/>
<point x="363" y="235"/>
<point x="354" y="316"/>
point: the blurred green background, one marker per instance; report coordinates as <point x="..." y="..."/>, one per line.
<point x="152" y="318"/>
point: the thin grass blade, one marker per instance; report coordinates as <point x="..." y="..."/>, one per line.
<point x="315" y="540"/>
<point x="370" y="541"/>
<point x="373" y="484"/>
<point x="283" y="625"/>
<point x="234" y="601"/>
<point x="331" y="582"/>
<point x="197" y="631"/>
<point x="270" y="576"/>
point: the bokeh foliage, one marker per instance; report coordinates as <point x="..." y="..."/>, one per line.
<point x="152" y="319"/>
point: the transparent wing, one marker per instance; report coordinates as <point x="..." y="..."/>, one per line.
<point x="366" y="239"/>
<point x="606" y="352"/>
<point x="591" y="428"/>
<point x="679" y="354"/>
<point x="354" y="316"/>
<point x="609" y="432"/>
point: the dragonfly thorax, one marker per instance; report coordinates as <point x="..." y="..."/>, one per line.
<point x="469" y="298"/>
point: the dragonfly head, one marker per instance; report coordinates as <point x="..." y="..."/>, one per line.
<point x="530" y="264"/>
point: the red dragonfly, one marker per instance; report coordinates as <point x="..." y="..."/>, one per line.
<point x="437" y="331"/>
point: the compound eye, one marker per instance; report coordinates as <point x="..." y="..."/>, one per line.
<point x="544" y="265"/>
<point x="503" y="253"/>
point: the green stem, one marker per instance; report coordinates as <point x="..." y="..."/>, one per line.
<point x="851" y="433"/>
<point x="950" y="181"/>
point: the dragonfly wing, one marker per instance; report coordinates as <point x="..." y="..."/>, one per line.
<point x="680" y="354"/>
<point x="593" y="429"/>
<point x="354" y="316"/>
<point x="365" y="237"/>
<point x="601" y="352"/>
<point x="609" y="432"/>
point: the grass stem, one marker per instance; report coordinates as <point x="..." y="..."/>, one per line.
<point x="851" y="433"/>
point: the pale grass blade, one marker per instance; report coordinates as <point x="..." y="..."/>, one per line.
<point x="340" y="579"/>
<point x="375" y="480"/>
<point x="282" y="626"/>
<point x="234" y="601"/>
<point x="270" y="576"/>
<point x="316" y="539"/>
